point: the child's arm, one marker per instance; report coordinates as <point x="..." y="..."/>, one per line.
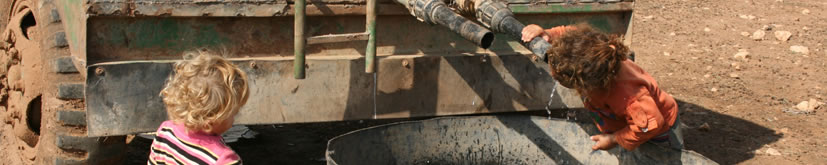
<point x="558" y="31"/>
<point x="533" y="30"/>
<point x="645" y="122"/>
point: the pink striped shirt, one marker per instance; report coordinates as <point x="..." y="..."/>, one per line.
<point x="173" y="144"/>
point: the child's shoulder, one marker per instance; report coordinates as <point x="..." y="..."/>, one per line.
<point x="168" y="125"/>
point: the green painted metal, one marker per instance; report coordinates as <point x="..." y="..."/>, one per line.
<point x="72" y="27"/>
<point x="299" y="40"/>
<point x="370" y="52"/>
<point x="571" y="8"/>
<point x="165" y="33"/>
<point x="73" y="18"/>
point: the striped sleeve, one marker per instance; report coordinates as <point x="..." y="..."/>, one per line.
<point x="167" y="148"/>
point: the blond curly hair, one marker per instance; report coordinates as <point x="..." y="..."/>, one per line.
<point x="204" y="90"/>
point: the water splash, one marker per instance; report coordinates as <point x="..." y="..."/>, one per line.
<point x="551" y="100"/>
<point x="374" y="94"/>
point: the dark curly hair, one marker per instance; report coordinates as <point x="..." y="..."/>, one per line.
<point x="585" y="59"/>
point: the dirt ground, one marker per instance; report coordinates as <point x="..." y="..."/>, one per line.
<point x="739" y="110"/>
<point x="689" y="46"/>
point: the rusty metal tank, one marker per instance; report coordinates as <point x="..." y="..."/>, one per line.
<point x="501" y="139"/>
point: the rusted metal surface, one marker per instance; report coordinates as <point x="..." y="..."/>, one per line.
<point x="269" y="8"/>
<point x="123" y="39"/>
<point x="125" y="98"/>
<point x="510" y="139"/>
<point x="76" y="13"/>
<point x="334" y="38"/>
<point x="422" y="70"/>
<point x="572" y="8"/>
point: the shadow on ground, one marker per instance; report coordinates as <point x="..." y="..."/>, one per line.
<point x="738" y="137"/>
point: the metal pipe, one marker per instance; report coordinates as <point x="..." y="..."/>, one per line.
<point x="498" y="17"/>
<point x="437" y="12"/>
<point x="370" y="27"/>
<point x="299" y="40"/>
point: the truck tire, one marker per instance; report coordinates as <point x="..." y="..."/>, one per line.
<point x="42" y="93"/>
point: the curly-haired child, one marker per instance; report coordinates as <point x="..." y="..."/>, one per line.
<point x="202" y="98"/>
<point x="625" y="101"/>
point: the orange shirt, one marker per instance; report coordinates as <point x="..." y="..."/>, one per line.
<point x="634" y="109"/>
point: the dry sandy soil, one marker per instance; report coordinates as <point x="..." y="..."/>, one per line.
<point x="690" y="47"/>
<point x="738" y="109"/>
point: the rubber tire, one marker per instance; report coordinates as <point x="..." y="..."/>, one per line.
<point x="63" y="137"/>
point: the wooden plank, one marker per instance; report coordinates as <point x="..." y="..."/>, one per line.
<point x="124" y="99"/>
<point x="333" y="38"/>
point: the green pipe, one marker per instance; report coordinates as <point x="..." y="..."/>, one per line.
<point x="370" y="52"/>
<point x="299" y="40"/>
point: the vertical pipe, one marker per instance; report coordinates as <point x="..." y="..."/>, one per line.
<point x="370" y="26"/>
<point x="298" y="39"/>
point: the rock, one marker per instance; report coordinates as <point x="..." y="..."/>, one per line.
<point x="773" y="152"/>
<point x="805" y="11"/>
<point x="800" y="49"/>
<point x="714" y="89"/>
<point x="795" y="111"/>
<point x="749" y="17"/>
<point x="672" y="34"/>
<point x="812" y="104"/>
<point x="805" y="28"/>
<point x="758" y="35"/>
<point x="707" y="76"/>
<point x="783" y="35"/>
<point x="666" y="54"/>
<point x="742" y="54"/>
<point x="758" y="152"/>
<point x="804" y="106"/>
<point x="735" y="65"/>
<point x="704" y="127"/>
<point x="733" y="75"/>
<point x="745" y="34"/>
<point x="706" y="29"/>
<point x="767" y="27"/>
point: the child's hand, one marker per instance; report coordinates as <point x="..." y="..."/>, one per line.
<point x="533" y="30"/>
<point x="604" y="141"/>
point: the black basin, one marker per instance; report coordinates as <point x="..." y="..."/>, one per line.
<point x="512" y="139"/>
